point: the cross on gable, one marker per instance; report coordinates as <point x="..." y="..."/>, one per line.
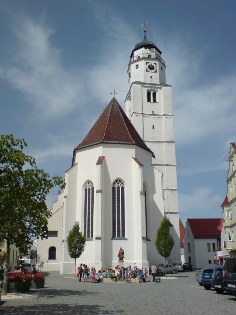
<point x="114" y="93"/>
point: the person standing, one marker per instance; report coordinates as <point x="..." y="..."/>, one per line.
<point x="153" y="272"/>
<point x="77" y="272"/>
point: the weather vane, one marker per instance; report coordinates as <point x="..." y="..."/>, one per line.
<point x="144" y="25"/>
<point x="114" y="93"/>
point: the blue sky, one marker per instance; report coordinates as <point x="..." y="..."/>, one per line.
<point x="60" y="60"/>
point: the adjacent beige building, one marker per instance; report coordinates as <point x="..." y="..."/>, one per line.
<point x="229" y="206"/>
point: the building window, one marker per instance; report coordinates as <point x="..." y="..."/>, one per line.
<point x="189" y="248"/>
<point x="137" y="66"/>
<point x="52" y="233"/>
<point x="229" y="237"/>
<point x="229" y="214"/>
<point x="209" y="262"/>
<point x="118" y="209"/>
<point x="213" y="247"/>
<point x="52" y="253"/>
<point x="208" y="247"/>
<point x="224" y="244"/>
<point x="154" y="96"/>
<point x="88" y="209"/>
<point x="151" y="96"/>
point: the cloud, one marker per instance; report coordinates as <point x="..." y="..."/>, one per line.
<point x="56" y="150"/>
<point x="203" y="168"/>
<point x="201" y="202"/>
<point x="35" y="69"/>
<point x="110" y="73"/>
<point x="203" y="108"/>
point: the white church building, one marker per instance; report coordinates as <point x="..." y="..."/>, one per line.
<point x="123" y="180"/>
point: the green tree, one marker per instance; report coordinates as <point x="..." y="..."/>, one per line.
<point x="75" y="242"/>
<point x="23" y="191"/>
<point x="164" y="241"/>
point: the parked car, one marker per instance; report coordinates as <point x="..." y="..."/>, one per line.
<point x="199" y="276"/>
<point x="230" y="275"/>
<point x="217" y="279"/>
<point x="178" y="266"/>
<point x="187" y="266"/>
<point x="167" y="268"/>
<point x="206" y="278"/>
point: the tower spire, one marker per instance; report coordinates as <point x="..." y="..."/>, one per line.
<point x="144" y="25"/>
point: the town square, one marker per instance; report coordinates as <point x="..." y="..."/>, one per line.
<point x="117" y="157"/>
<point x="177" y="294"/>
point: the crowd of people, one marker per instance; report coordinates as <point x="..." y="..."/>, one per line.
<point x="118" y="273"/>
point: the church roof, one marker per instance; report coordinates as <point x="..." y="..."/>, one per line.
<point x="113" y="126"/>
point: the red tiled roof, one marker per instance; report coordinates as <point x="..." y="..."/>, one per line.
<point x="113" y="126"/>
<point x="225" y="202"/>
<point x="206" y="228"/>
<point x="181" y="233"/>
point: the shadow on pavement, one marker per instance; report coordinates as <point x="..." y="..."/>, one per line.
<point x="52" y="293"/>
<point x="57" y="309"/>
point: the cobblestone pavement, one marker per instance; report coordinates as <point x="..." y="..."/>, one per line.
<point x="63" y="294"/>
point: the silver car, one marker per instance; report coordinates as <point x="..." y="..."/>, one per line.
<point x="167" y="268"/>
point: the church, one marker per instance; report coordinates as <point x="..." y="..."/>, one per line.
<point x="123" y="179"/>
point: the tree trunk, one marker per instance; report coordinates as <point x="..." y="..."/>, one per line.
<point x="165" y="264"/>
<point x="7" y="265"/>
<point x="75" y="265"/>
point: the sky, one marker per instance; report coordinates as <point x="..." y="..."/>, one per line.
<point x="60" y="60"/>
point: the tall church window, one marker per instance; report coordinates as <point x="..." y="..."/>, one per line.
<point x="146" y="210"/>
<point x="52" y="253"/>
<point x="118" y="209"/>
<point x="151" y="96"/>
<point x="88" y="209"/>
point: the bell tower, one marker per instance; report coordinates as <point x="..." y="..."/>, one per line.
<point x="148" y="105"/>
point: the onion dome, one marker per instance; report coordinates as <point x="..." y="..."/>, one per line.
<point x="145" y="43"/>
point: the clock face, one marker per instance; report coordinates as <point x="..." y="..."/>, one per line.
<point x="151" y="67"/>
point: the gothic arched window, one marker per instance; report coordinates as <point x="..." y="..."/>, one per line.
<point x="88" y="209"/>
<point x="148" y="96"/>
<point x="118" y="209"/>
<point x="52" y="253"/>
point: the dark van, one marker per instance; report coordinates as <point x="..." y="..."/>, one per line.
<point x="230" y="275"/>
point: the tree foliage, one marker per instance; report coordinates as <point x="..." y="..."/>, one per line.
<point x="23" y="191"/>
<point x="75" y="242"/>
<point x="164" y="241"/>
